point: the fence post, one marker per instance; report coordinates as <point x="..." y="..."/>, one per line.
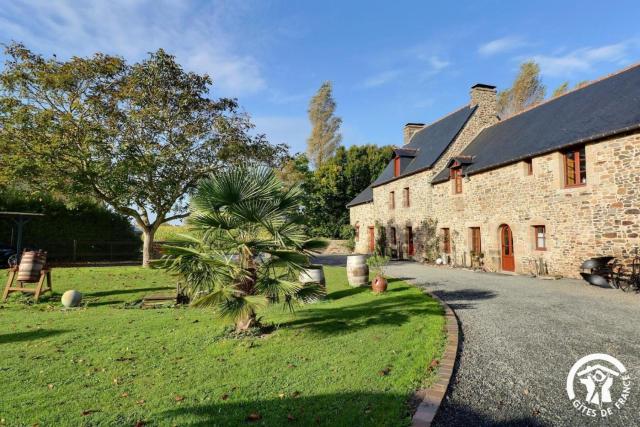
<point x="75" y="250"/>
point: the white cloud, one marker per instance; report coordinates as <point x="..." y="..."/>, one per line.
<point x="380" y="78"/>
<point x="583" y="59"/>
<point x="412" y="64"/>
<point x="501" y="45"/>
<point x="201" y="36"/>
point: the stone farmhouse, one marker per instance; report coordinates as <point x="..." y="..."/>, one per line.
<point x="537" y="192"/>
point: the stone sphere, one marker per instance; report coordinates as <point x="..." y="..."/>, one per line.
<point x="71" y="298"/>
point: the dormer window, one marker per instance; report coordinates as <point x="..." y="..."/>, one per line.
<point x="396" y="166"/>
<point x="455" y="166"/>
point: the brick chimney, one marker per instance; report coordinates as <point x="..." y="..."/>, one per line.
<point x="409" y="130"/>
<point x="485" y="97"/>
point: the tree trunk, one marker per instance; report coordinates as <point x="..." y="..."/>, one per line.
<point x="246" y="323"/>
<point x="247" y="286"/>
<point x="147" y="246"/>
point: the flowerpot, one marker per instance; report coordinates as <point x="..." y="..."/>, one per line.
<point x="312" y="274"/>
<point x="379" y="285"/>
<point x="357" y="270"/>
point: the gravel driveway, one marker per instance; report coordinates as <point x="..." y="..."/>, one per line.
<point x="520" y="337"/>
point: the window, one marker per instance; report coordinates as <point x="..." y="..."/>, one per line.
<point x="357" y="237"/>
<point x="575" y="167"/>
<point x="407" y="202"/>
<point x="541" y="237"/>
<point x="392" y="200"/>
<point x="396" y="166"/>
<point x="476" y="245"/>
<point x="529" y="166"/>
<point x="456" y="175"/>
<point x="446" y="241"/>
<point x="394" y="237"/>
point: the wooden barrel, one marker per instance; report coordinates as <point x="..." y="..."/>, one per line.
<point x="312" y="274"/>
<point x="31" y="265"/>
<point x="357" y="270"/>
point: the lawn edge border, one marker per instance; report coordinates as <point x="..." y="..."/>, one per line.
<point x="431" y="398"/>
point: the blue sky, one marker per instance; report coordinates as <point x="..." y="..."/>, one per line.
<point x="390" y="62"/>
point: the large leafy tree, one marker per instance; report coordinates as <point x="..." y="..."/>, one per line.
<point x="248" y="245"/>
<point x="136" y="136"/>
<point x="340" y="179"/>
<point x="527" y="90"/>
<point x="325" y="135"/>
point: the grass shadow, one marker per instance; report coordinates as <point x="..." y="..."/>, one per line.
<point x="29" y="335"/>
<point x="384" y="309"/>
<point x="347" y="292"/>
<point x="348" y="409"/>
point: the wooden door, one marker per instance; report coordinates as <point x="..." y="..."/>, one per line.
<point x="508" y="261"/>
<point x="410" y="241"/>
<point x="372" y="239"/>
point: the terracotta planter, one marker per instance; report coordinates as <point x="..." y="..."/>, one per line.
<point x="379" y="285"/>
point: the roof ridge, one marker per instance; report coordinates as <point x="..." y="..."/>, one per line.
<point x="571" y="91"/>
<point x="439" y="120"/>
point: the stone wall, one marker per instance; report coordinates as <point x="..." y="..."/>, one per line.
<point x="600" y="218"/>
<point x="419" y="184"/>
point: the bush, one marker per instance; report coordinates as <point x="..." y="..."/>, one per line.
<point x="99" y="233"/>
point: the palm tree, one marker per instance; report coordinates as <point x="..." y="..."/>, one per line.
<point x="247" y="247"/>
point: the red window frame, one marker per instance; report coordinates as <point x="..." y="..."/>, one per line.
<point x="543" y="230"/>
<point x="392" y="200"/>
<point x="476" y="241"/>
<point x="407" y="201"/>
<point x="575" y="167"/>
<point x="456" y="175"/>
<point x="446" y="240"/>
<point x="396" y="166"/>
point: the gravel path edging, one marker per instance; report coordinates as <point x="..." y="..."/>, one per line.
<point x="431" y="398"/>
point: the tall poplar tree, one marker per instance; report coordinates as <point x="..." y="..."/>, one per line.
<point x="561" y="90"/>
<point x="325" y="135"/>
<point x="527" y="90"/>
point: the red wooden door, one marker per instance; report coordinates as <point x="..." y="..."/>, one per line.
<point x="372" y="240"/>
<point x="508" y="261"/>
<point x="410" y="241"/>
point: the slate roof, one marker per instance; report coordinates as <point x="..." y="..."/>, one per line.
<point x="423" y="150"/>
<point x="365" y="197"/>
<point x="606" y="107"/>
<point x="434" y="139"/>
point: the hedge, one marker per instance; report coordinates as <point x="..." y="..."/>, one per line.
<point x="84" y="231"/>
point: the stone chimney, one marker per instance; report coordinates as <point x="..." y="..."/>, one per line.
<point x="409" y="130"/>
<point x="485" y="97"/>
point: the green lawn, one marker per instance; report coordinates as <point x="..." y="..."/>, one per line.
<point x="350" y="360"/>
